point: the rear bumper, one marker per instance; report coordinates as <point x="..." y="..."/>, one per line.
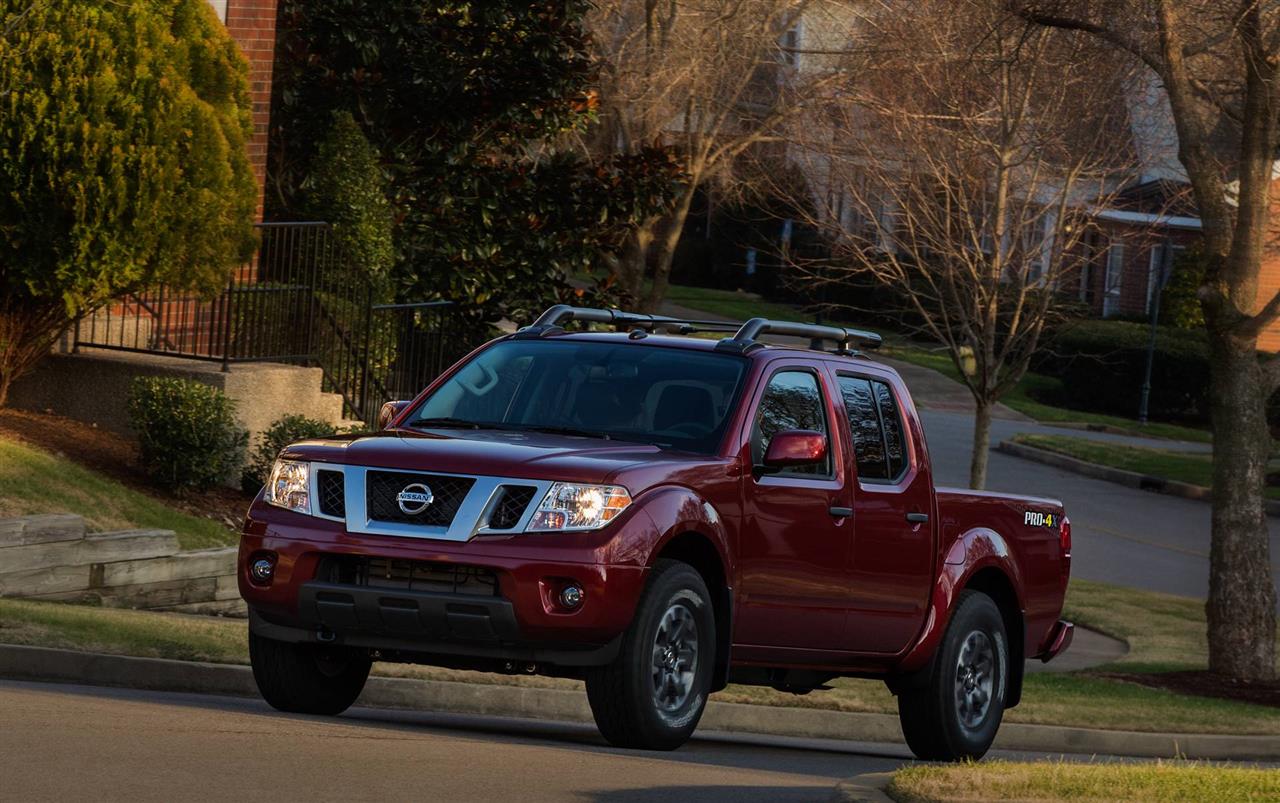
<point x="1059" y="640"/>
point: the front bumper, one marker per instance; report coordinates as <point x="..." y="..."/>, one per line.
<point x="521" y="620"/>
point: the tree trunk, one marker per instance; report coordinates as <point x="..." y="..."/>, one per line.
<point x="1242" y="600"/>
<point x="4" y="388"/>
<point x="667" y="253"/>
<point x="981" y="436"/>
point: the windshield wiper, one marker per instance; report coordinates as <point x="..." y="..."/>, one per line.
<point x="448" y="423"/>
<point x="552" y="430"/>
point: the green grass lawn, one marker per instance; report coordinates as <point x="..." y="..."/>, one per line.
<point x="1164" y="632"/>
<point x="34" y="481"/>
<point x="1062" y="781"/>
<point x="1190" y="467"/>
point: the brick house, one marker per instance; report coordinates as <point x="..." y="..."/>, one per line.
<point x="252" y="24"/>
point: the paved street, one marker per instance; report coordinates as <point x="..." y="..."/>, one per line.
<point x="74" y="743"/>
<point x="69" y="743"/>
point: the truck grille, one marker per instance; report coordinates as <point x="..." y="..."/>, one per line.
<point x="331" y="493"/>
<point x="512" y="502"/>
<point x="382" y="487"/>
<point x="408" y="575"/>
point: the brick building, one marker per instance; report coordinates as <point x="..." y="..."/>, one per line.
<point x="252" y="24"/>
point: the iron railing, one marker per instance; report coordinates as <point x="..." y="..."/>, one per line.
<point x="301" y="302"/>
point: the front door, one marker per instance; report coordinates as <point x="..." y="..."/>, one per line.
<point x="891" y="569"/>
<point x="794" y="548"/>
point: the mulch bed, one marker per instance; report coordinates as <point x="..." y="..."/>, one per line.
<point x="117" y="457"/>
<point x="1205" y="684"/>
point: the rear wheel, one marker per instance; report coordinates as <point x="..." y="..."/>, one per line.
<point x="652" y="696"/>
<point x="956" y="713"/>
<point x="307" y="678"/>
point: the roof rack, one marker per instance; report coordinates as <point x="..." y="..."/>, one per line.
<point x="554" y="319"/>
<point x="746" y="335"/>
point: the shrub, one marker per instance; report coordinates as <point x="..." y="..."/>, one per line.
<point x="187" y="433"/>
<point x="123" y="160"/>
<point x="280" y="434"/>
<point x="1101" y="366"/>
<point x="1180" y="300"/>
<point x="348" y="189"/>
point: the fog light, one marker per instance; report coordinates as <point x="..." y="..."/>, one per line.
<point x="262" y="569"/>
<point x="571" y="596"/>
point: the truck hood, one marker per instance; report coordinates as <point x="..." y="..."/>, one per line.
<point x="499" y="453"/>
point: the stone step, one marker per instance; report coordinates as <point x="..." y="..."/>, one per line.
<point x="182" y="566"/>
<point x="96" y="548"/>
<point x="42" y="529"/>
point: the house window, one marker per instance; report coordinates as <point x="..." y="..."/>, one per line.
<point x="1112" y="279"/>
<point x="1157" y="273"/>
<point x="790" y="45"/>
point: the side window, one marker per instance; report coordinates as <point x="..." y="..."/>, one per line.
<point x="791" y="401"/>
<point x="892" y="421"/>
<point x="876" y="424"/>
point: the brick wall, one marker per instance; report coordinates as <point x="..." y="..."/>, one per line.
<point x="252" y="24"/>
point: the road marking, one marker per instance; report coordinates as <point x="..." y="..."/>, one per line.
<point x="1146" y="541"/>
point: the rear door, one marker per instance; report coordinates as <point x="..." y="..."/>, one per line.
<point x="793" y="549"/>
<point x="891" y="561"/>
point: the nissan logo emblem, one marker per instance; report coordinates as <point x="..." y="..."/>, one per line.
<point x="414" y="499"/>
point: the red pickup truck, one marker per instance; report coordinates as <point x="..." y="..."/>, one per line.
<point x="658" y="515"/>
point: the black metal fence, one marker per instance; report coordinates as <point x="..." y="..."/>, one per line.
<point x="300" y="302"/>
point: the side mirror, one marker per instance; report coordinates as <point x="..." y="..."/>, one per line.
<point x="389" y="412"/>
<point x="795" y="447"/>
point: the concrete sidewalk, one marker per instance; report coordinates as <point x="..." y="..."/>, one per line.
<point x="49" y="665"/>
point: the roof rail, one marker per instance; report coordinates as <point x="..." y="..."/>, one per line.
<point x="845" y="339"/>
<point x="746" y="335"/>
<point x="554" y="319"/>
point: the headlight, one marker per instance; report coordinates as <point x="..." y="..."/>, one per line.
<point x="568" y="506"/>
<point x="289" y="485"/>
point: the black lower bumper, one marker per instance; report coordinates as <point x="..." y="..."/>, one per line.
<point x="415" y="625"/>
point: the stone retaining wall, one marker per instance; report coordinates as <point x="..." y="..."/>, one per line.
<point x="54" y="557"/>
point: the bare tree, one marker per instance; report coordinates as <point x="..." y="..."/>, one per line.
<point x="958" y="164"/>
<point x="711" y="78"/>
<point x="1219" y="62"/>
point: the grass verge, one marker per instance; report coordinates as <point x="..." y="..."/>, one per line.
<point x="34" y="481"/>
<point x="1189" y="467"/>
<point x="1006" y="780"/>
<point x="1164" y="632"/>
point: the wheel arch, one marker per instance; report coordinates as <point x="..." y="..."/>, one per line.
<point x="697" y="550"/>
<point x="992" y="581"/>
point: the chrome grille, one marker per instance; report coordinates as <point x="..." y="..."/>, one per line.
<point x="510" y="506"/>
<point x="331" y="493"/>
<point x="381" y="488"/>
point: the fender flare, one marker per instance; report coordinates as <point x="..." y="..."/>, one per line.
<point x="974" y="551"/>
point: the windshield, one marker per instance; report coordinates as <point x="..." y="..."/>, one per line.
<point x="674" y="398"/>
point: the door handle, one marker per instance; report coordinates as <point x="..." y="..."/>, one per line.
<point x="918" y="518"/>
<point x="841" y="512"/>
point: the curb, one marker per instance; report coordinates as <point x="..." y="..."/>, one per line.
<point x="866" y="788"/>
<point x="157" y="674"/>
<point x="1132" y="479"/>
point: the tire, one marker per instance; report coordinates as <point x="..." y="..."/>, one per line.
<point x="653" y="694"/>
<point x="946" y="719"/>
<point x="307" y="678"/>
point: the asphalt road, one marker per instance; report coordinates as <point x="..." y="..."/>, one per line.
<point x="1119" y="535"/>
<point x="71" y="743"/>
<point x="76" y="743"/>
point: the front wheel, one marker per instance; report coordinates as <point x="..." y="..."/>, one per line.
<point x="307" y="678"/>
<point x="652" y="696"/>
<point x="956" y="714"/>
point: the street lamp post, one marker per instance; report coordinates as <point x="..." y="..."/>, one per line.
<point x="1166" y="261"/>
